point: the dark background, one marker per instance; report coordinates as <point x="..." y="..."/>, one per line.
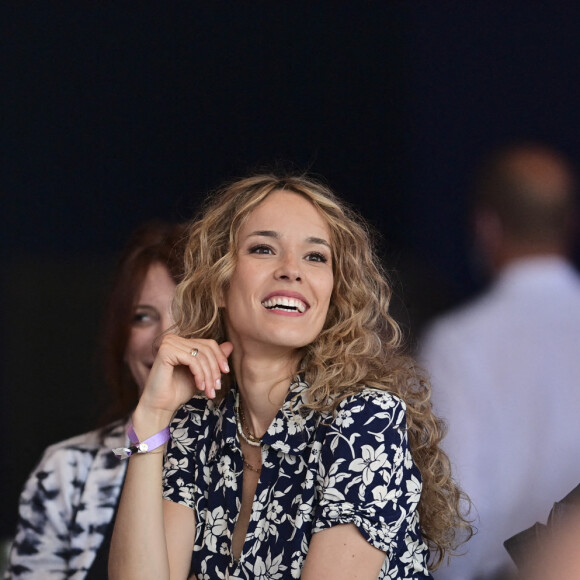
<point x="114" y="113"/>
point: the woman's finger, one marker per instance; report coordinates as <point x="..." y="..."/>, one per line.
<point x="204" y="367"/>
<point x="205" y="359"/>
<point x="184" y="367"/>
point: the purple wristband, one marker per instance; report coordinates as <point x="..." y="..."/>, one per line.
<point x="146" y="446"/>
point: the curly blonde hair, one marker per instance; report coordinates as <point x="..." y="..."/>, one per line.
<point x="360" y="344"/>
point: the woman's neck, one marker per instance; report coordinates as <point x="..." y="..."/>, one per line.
<point x="263" y="386"/>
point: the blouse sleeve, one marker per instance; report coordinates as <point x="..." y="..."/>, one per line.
<point x="180" y="459"/>
<point x="366" y="473"/>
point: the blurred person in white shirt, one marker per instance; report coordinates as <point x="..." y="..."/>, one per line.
<point x="506" y="366"/>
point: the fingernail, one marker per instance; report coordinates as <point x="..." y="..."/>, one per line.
<point x="227" y="367"/>
<point x="212" y="393"/>
<point x="218" y="384"/>
<point x="202" y="388"/>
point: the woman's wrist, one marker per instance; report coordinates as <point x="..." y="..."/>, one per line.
<point x="146" y="421"/>
<point x="142" y="447"/>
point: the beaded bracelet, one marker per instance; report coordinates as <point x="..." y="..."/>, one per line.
<point x="146" y="446"/>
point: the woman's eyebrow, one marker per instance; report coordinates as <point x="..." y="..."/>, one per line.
<point x="314" y="240"/>
<point x="266" y="233"/>
<point x="277" y="236"/>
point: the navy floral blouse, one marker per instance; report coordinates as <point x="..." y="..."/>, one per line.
<point x="316" y="473"/>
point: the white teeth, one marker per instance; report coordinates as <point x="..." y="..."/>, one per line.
<point x="285" y="303"/>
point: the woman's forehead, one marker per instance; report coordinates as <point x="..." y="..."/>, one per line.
<point x="285" y="211"/>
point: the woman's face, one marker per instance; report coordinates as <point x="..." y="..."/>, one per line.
<point x="280" y="290"/>
<point x="151" y="316"/>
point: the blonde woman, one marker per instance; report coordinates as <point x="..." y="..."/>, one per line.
<point x="314" y="453"/>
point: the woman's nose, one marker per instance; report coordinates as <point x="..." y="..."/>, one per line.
<point x="289" y="269"/>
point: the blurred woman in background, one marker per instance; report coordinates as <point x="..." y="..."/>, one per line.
<point x="68" y="505"/>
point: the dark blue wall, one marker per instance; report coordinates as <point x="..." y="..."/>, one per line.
<point x="114" y="113"/>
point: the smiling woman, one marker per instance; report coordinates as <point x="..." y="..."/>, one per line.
<point x="314" y="453"/>
<point x="280" y="289"/>
<point x="151" y="316"/>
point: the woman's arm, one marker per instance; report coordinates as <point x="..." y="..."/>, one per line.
<point x="138" y="547"/>
<point x="369" y="490"/>
<point x="153" y="539"/>
<point x="341" y="552"/>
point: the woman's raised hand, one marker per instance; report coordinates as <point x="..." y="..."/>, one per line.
<point x="182" y="368"/>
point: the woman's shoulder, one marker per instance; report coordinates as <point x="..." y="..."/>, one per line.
<point x="198" y="406"/>
<point x="371" y="400"/>
<point x="88" y="442"/>
<point x="195" y="415"/>
<point x="192" y="426"/>
<point x="74" y="457"/>
<point x="369" y="409"/>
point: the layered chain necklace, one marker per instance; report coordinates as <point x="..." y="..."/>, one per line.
<point x="246" y="433"/>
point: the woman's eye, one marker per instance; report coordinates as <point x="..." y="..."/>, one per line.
<point x="261" y="249"/>
<point x="317" y="257"/>
<point x="144" y="317"/>
<point x="140" y="318"/>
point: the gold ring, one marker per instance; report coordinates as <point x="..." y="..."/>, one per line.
<point x="194" y="352"/>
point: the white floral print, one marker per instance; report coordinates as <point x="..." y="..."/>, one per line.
<point x="316" y="472"/>
<point x="371" y="462"/>
<point x="216" y="525"/>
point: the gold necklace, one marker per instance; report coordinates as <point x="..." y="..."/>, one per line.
<point x="241" y="425"/>
<point x="250" y="434"/>
<point x="250" y="466"/>
<point x="256" y="443"/>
